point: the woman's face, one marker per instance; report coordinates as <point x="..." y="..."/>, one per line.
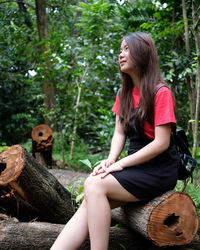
<point x="125" y="63"/>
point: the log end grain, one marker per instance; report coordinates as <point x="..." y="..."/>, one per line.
<point x="42" y="135"/>
<point x="174" y="221"/>
<point x="11" y="164"/>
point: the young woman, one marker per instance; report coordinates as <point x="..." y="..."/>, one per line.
<point x="150" y="168"/>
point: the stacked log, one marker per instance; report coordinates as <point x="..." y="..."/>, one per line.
<point x="29" y="191"/>
<point x="41" y="236"/>
<point x="168" y="220"/>
<point x="42" y="141"/>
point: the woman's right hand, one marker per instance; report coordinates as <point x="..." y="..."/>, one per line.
<point x="102" y="167"/>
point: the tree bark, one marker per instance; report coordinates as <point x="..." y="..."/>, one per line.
<point x="196" y="21"/>
<point x="76" y="112"/>
<point x="168" y="220"/>
<point x="48" y="87"/>
<point x="28" y="190"/>
<point x="40" y="236"/>
<point x="27" y="19"/>
<point x="190" y="88"/>
<point x="42" y="141"/>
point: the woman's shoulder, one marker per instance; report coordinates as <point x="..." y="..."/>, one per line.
<point x="163" y="95"/>
<point x="161" y="87"/>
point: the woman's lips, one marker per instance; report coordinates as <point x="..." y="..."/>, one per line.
<point x="121" y="63"/>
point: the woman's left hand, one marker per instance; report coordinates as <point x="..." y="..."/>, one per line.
<point x="112" y="168"/>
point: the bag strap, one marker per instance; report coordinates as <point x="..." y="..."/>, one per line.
<point x="155" y="90"/>
<point x="119" y="92"/>
<point x="158" y="87"/>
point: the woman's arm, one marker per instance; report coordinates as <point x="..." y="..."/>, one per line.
<point x="118" y="141"/>
<point x="117" y="145"/>
<point x="151" y="150"/>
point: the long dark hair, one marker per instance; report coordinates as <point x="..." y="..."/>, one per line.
<point x="145" y="60"/>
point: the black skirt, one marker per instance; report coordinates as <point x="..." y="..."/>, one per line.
<point x="152" y="178"/>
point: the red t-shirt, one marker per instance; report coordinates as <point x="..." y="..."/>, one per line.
<point x="163" y="109"/>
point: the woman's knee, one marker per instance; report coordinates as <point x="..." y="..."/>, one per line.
<point x="93" y="186"/>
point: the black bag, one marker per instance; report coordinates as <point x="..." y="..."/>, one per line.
<point x="187" y="164"/>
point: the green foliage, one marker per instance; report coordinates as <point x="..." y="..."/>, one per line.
<point x="3" y="147"/>
<point x="19" y="98"/>
<point x="198" y="158"/>
<point x="87" y="163"/>
<point x="77" y="193"/>
<point x="82" y="52"/>
<point x="82" y="151"/>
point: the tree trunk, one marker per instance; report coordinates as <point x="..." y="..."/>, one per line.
<point x="42" y="141"/>
<point x="168" y="220"/>
<point x="28" y="190"/>
<point x="48" y="87"/>
<point x="196" y="20"/>
<point x="76" y="113"/>
<point x="41" y="236"/>
<point x="75" y="124"/>
<point x="190" y="88"/>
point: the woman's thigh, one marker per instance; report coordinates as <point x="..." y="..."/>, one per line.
<point x="110" y="187"/>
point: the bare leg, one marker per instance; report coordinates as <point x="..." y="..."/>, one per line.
<point x="75" y="231"/>
<point x="97" y="193"/>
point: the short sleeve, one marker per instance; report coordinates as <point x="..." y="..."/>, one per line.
<point x="115" y="108"/>
<point x="164" y="107"/>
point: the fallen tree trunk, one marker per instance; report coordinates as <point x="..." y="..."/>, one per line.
<point x="28" y="190"/>
<point x="40" y="236"/>
<point x="168" y="220"/>
<point x="42" y="141"/>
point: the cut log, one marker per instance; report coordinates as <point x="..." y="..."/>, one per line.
<point x="42" y="141"/>
<point x="41" y="236"/>
<point x="168" y="220"/>
<point x="28" y="190"/>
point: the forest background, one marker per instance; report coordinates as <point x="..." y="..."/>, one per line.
<point x="59" y="66"/>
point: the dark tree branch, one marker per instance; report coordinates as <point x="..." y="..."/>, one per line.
<point x="20" y="1"/>
<point x="22" y="8"/>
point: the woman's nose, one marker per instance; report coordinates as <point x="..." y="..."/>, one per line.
<point x="121" y="54"/>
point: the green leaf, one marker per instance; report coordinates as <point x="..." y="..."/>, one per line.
<point x="191" y="121"/>
<point x="79" y="197"/>
<point x="87" y="163"/>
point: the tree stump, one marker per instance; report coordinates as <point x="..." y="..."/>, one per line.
<point x="168" y="220"/>
<point x="42" y="141"/>
<point x="28" y="190"/>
